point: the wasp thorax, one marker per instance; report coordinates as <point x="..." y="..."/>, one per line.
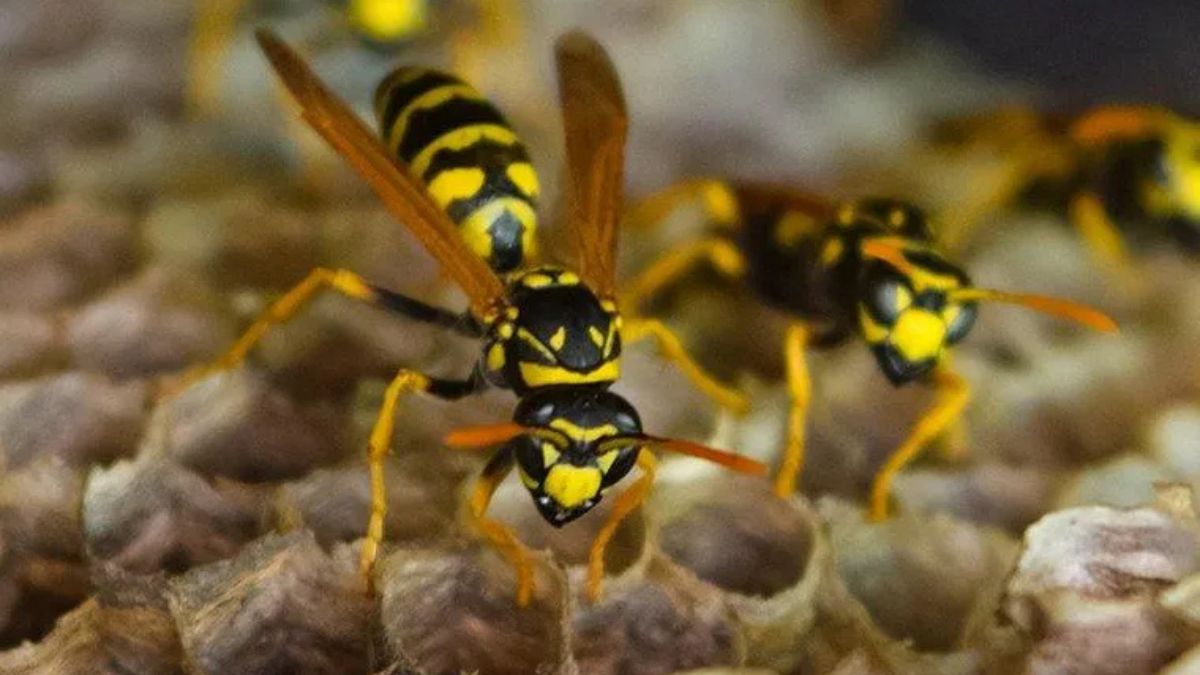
<point x="555" y="332"/>
<point x="586" y="439"/>
<point x="909" y="318"/>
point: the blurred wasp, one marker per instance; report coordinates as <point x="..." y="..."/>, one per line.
<point x="863" y="268"/>
<point x="384" y="26"/>
<point x="551" y="335"/>
<point x="1118" y="172"/>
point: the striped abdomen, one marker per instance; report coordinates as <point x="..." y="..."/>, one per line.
<point x="467" y="155"/>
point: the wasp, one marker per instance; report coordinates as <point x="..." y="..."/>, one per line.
<point x="1116" y="172"/>
<point x="383" y="26"/>
<point x="865" y="269"/>
<point x="551" y="335"/>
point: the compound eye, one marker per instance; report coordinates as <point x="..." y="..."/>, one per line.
<point x="959" y="320"/>
<point x="617" y="463"/>
<point x="887" y="298"/>
<point x="530" y="456"/>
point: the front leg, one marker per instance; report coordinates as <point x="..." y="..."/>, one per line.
<point x="952" y="397"/>
<point x="380" y="443"/>
<point x="500" y="535"/>
<point x="629" y="501"/>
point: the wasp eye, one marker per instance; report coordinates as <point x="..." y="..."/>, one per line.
<point x="959" y="320"/>
<point x="886" y="299"/>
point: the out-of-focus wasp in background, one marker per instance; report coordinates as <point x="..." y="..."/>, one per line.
<point x="1118" y="173"/>
<point x="867" y="269"/>
<point x="455" y="174"/>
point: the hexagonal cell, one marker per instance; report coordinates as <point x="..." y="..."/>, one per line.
<point x="452" y="608"/>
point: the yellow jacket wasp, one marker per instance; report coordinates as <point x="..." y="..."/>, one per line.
<point x="552" y="335"/>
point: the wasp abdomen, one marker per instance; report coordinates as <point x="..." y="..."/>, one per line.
<point x="468" y="156"/>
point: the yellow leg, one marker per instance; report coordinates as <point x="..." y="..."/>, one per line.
<point x="342" y="281"/>
<point x="672" y="349"/>
<point x="500" y="535"/>
<point x="625" y="505"/>
<point x="953" y="398"/>
<point x="380" y="443"/>
<point x="720" y="253"/>
<point x="714" y="197"/>
<point x="212" y="30"/>
<point x="1099" y="232"/>
<point x="799" y="390"/>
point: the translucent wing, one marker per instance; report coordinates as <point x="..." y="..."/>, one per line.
<point x="595" y="123"/>
<point x="403" y="195"/>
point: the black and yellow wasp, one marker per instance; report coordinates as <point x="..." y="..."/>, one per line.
<point x="863" y="268"/>
<point x="551" y="335"/>
<point x="1117" y="172"/>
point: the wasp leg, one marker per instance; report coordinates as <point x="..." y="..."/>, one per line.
<point x="500" y="535"/>
<point x="714" y="198"/>
<point x="799" y="390"/>
<point x="405" y="382"/>
<point x="670" y="347"/>
<point x="1099" y="232"/>
<point x="953" y="395"/>
<point x="721" y="254"/>
<point x="212" y="30"/>
<point x="629" y="501"/>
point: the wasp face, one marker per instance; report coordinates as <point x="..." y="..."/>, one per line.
<point x="908" y="320"/>
<point x="586" y="439"/>
<point x="556" y="332"/>
<point x="1180" y="163"/>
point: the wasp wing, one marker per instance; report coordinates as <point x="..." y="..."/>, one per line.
<point x="405" y="197"/>
<point x="595" y="124"/>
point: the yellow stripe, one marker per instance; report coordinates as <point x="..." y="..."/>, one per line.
<point x="583" y="434"/>
<point x="462" y="138"/>
<point x="524" y="177"/>
<point x="429" y="99"/>
<point x="538" y="375"/>
<point x="455" y="184"/>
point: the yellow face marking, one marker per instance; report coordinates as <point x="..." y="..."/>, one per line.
<point x="550" y="454"/>
<point x="1183" y="162"/>
<point x="496" y="358"/>
<point x="918" y="335"/>
<point x="538" y="375"/>
<point x="793" y="227"/>
<point x="872" y="331"/>
<point x="606" y="460"/>
<point x="389" y="20"/>
<point x="456" y="184"/>
<point x="581" y="434"/>
<point x="558" y="339"/>
<point x="570" y="485"/>
<point x="524" y="177"/>
<point x="462" y="138"/>
<point x="596" y="336"/>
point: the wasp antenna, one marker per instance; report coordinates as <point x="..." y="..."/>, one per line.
<point x="1062" y="308"/>
<point x="889" y="250"/>
<point x="728" y="460"/>
<point x="483" y="436"/>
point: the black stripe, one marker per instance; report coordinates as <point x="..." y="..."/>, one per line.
<point x="483" y="155"/>
<point x="429" y="124"/>
<point x="400" y="96"/>
<point x="495" y="184"/>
